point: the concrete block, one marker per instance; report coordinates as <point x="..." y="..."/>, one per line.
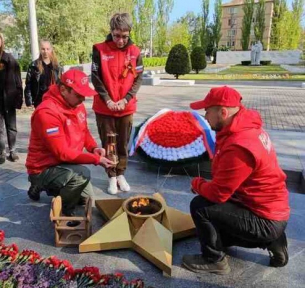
<point x="303" y="85"/>
<point x="151" y="81"/>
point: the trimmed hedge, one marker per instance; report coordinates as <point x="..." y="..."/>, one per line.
<point x="154" y="61"/>
<point x="178" y="61"/>
<point x="198" y="59"/>
<point x="265" y="62"/>
<point x="245" y="63"/>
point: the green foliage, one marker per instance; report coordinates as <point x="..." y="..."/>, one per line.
<point x="198" y="59"/>
<point x="163" y="11"/>
<point x="216" y="26"/>
<point x="204" y="24"/>
<point x="178" y="61"/>
<point x="245" y="63"/>
<point x="154" y="61"/>
<point x="259" y="26"/>
<point x="248" y="9"/>
<point x="179" y="34"/>
<point x="265" y="62"/>
<point x="25" y="60"/>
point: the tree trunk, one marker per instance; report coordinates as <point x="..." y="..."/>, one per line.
<point x="177" y="76"/>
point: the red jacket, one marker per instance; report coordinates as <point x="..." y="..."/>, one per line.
<point x="245" y="169"/>
<point x="113" y="62"/>
<point x="59" y="134"/>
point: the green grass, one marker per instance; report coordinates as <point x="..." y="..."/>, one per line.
<point x="268" y="69"/>
<point x="239" y="72"/>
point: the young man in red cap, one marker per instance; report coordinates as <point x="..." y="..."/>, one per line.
<point x="246" y="203"/>
<point x="59" y="133"/>
<point x="117" y="76"/>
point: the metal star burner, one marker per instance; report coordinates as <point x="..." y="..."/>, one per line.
<point x="143" y="223"/>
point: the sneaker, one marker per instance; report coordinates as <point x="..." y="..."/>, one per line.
<point x="124" y="186"/>
<point x="34" y="193"/>
<point x="13" y="156"/>
<point x="278" y="252"/>
<point x="2" y="157"/>
<point x="113" y="186"/>
<point x="198" y="264"/>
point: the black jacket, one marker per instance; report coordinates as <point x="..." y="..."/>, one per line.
<point x="35" y="87"/>
<point x="12" y="84"/>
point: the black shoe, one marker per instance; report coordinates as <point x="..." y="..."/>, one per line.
<point x="13" y="156"/>
<point x="2" y="157"/>
<point x="278" y="251"/>
<point x="34" y="193"/>
<point x="82" y="201"/>
<point x="198" y="264"/>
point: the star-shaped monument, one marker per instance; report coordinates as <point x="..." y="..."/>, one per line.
<point x="151" y="235"/>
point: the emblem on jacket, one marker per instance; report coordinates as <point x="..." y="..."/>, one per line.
<point x="81" y="116"/>
<point x="264" y="138"/>
<point x="107" y="57"/>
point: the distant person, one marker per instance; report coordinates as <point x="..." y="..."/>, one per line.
<point x="59" y="134"/>
<point x="117" y="76"/>
<point x="10" y="100"/>
<point x="246" y="203"/>
<point x="42" y="73"/>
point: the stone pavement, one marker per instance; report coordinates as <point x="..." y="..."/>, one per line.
<point x="27" y="223"/>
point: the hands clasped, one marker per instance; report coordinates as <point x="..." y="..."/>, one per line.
<point x="117" y="106"/>
<point x="105" y="162"/>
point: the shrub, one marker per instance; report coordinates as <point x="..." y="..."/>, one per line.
<point x="178" y="61"/>
<point x="154" y="61"/>
<point x="198" y="59"/>
<point x="245" y="63"/>
<point x="265" y="62"/>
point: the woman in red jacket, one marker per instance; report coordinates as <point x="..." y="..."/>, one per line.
<point x="116" y="75"/>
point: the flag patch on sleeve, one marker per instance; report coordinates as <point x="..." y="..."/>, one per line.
<point x="52" y="131"/>
<point x="139" y="69"/>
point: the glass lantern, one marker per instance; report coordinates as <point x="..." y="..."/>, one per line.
<point x="111" y="151"/>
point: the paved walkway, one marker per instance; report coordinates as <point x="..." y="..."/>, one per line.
<point x="27" y="223"/>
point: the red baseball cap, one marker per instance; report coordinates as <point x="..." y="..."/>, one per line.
<point x="78" y="81"/>
<point x="220" y="96"/>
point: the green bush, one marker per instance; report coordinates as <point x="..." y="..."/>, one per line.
<point x="265" y="62"/>
<point x="245" y="63"/>
<point x="178" y="61"/>
<point x="198" y="59"/>
<point x="154" y="61"/>
<point x="25" y="61"/>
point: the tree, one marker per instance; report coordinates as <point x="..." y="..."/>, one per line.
<point x="194" y="27"/>
<point x="279" y="11"/>
<point x="143" y="14"/>
<point x="178" y="61"/>
<point x="248" y="9"/>
<point x="179" y="34"/>
<point x="204" y="23"/>
<point x="216" y="26"/>
<point x="259" y="26"/>
<point x="198" y="59"/>
<point x="164" y="9"/>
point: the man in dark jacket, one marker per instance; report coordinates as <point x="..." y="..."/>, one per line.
<point x="246" y="203"/>
<point x="10" y="100"/>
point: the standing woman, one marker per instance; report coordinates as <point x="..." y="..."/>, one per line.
<point x="10" y="100"/>
<point x="42" y="73"/>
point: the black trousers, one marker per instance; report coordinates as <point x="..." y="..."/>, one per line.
<point x="231" y="224"/>
<point x="8" y="119"/>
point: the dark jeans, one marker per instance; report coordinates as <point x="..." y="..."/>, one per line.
<point x="67" y="180"/>
<point x="122" y="127"/>
<point x="231" y="224"/>
<point x="8" y="119"/>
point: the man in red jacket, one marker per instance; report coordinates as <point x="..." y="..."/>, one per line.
<point x="117" y="76"/>
<point x="246" y="203"/>
<point x="59" y="133"/>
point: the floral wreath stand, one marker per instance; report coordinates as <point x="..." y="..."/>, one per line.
<point x="173" y="139"/>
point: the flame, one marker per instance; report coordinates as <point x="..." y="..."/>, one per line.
<point x="140" y="202"/>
